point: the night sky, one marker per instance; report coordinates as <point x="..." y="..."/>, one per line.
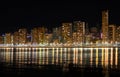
<point x="53" y="13"/>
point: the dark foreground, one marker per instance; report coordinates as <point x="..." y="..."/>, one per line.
<point x="55" y="71"/>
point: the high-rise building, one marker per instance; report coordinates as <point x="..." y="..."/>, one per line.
<point x="41" y="34"/>
<point x="34" y="36"/>
<point x="7" y="38"/>
<point x="118" y="34"/>
<point x="60" y="34"/>
<point x="79" y="29"/>
<point x="112" y="33"/>
<point x="38" y="35"/>
<point x="22" y="36"/>
<point x="1" y="40"/>
<point x="75" y="37"/>
<point x="16" y="38"/>
<point x="56" y="38"/>
<point x="95" y="34"/>
<point x="47" y="38"/>
<point x="105" y="25"/>
<point x="67" y="32"/>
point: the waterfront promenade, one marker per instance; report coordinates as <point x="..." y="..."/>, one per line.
<point x="85" y="46"/>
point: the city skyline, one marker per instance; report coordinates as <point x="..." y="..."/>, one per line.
<point x="76" y="33"/>
<point x="60" y="38"/>
<point x="53" y="13"/>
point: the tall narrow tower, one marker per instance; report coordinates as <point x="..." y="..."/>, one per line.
<point x="105" y="26"/>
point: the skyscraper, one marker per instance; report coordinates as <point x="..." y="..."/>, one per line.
<point x="118" y="34"/>
<point x="41" y="34"/>
<point x="105" y="25"/>
<point x="34" y="36"/>
<point x="1" y="40"/>
<point x="67" y="32"/>
<point x="22" y="36"/>
<point x="56" y="35"/>
<point x="112" y="33"/>
<point x="16" y="37"/>
<point x="79" y="28"/>
<point x="8" y="38"/>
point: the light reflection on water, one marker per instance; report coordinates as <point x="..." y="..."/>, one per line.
<point x="94" y="57"/>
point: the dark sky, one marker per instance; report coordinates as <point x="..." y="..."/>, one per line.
<point x="52" y="13"/>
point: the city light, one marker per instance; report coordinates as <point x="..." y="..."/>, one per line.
<point x="70" y="34"/>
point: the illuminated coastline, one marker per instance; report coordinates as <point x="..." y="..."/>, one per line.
<point x="69" y="34"/>
<point x="70" y="43"/>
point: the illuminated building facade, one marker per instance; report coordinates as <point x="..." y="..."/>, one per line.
<point x="22" y="36"/>
<point x="79" y="31"/>
<point x="34" y="36"/>
<point x="118" y="34"/>
<point x="38" y="35"/>
<point x="94" y="34"/>
<point x="41" y="35"/>
<point x="88" y="35"/>
<point x="112" y="33"/>
<point x="74" y="37"/>
<point x="7" y="38"/>
<point x="56" y="35"/>
<point x="16" y="38"/>
<point x="88" y="38"/>
<point x="48" y="38"/>
<point x="1" y="39"/>
<point x="105" y="25"/>
<point x="67" y="32"/>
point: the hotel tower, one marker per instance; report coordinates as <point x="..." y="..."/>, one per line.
<point x="105" y="26"/>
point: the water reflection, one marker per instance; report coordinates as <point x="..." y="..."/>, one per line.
<point x="94" y="57"/>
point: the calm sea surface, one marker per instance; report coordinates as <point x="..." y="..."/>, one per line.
<point x="105" y="58"/>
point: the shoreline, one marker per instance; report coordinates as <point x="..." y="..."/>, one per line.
<point x="59" y="46"/>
